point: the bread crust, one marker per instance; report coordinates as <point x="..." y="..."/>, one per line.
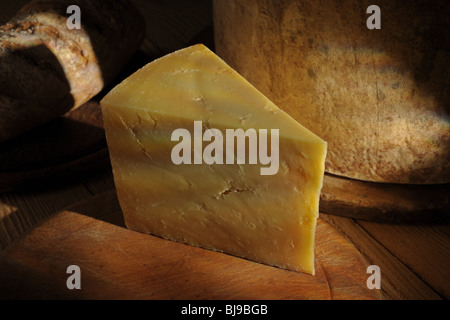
<point x="47" y="69"/>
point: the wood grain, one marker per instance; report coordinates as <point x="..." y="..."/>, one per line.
<point x="424" y="248"/>
<point x="413" y="258"/>
<point x="385" y="202"/>
<point x="118" y="263"/>
<point x="21" y="211"/>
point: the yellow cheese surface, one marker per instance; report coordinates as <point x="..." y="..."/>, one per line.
<point x="231" y="208"/>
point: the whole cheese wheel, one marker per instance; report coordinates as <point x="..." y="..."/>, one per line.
<point x="380" y="97"/>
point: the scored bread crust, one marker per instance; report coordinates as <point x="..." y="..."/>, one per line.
<point x="47" y="69"/>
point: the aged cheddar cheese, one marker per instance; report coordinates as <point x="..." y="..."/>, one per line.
<point x="380" y="98"/>
<point x="204" y="198"/>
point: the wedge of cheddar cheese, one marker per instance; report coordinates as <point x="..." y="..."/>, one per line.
<point x="207" y="200"/>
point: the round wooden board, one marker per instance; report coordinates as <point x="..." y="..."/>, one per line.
<point x="64" y="148"/>
<point x="384" y="202"/>
<point x="118" y="263"/>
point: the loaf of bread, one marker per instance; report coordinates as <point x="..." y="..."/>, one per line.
<point x="381" y="97"/>
<point x="47" y="68"/>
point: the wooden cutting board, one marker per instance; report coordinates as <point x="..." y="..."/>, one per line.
<point x="118" y="263"/>
<point x="385" y="202"/>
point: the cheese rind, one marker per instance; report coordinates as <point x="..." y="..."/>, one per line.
<point x="231" y="208"/>
<point x="380" y="98"/>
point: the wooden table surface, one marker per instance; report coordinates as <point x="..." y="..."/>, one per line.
<point x="414" y="258"/>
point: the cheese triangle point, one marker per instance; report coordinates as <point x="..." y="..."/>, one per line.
<point x="231" y="208"/>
